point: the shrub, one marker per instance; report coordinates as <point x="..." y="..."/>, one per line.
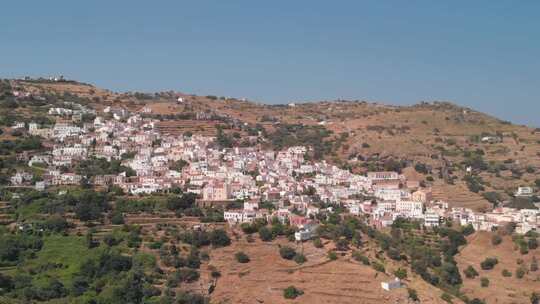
<point x="332" y="255"/>
<point x="400" y="273"/>
<point x="450" y="274"/>
<point x="446" y="297"/>
<point x="413" y="295"/>
<point x="378" y="266"/>
<point x="520" y="273"/>
<point x="292" y="292"/>
<point x="492" y="197"/>
<point x="214" y="272"/>
<point x="360" y="258"/>
<point x="467" y="230"/>
<point x="247" y="228"/>
<point x="287" y="252"/>
<point x="265" y="234"/>
<point x="496" y="239"/>
<point x="506" y="273"/>
<point x="317" y="243"/>
<point x="117" y="218"/>
<point x="421" y="168"/>
<point x="523" y="247"/>
<point x="489" y="263"/>
<point x="241" y="257"/>
<point x="219" y="238"/>
<point x="535" y="298"/>
<point x="300" y="258"/>
<point x="186" y="275"/>
<point x="152" y="245"/>
<point x="484" y="282"/>
<point x="470" y="272"/>
<point x="532" y="243"/>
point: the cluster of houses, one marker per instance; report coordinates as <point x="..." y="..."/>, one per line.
<point x="298" y="189"/>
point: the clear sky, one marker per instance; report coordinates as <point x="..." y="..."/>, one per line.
<point x="482" y="54"/>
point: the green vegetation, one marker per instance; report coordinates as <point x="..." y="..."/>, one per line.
<point x="378" y="267"/>
<point x="217" y="238"/>
<point x="360" y="257"/>
<point x="484" y="282"/>
<point x="100" y="166"/>
<point x="317" y="243"/>
<point x="88" y="205"/>
<point x="535" y="298"/>
<point x="299" y="258"/>
<point x="493" y="197"/>
<point x="287" y="135"/>
<point x="241" y="257"/>
<point x="470" y="272"/>
<point x="400" y="273"/>
<point x="56" y="266"/>
<point x="287" y="252"/>
<point x="421" y="168"/>
<point x="178" y="165"/>
<point x="292" y="292"/>
<point x="474" y="183"/>
<point x="489" y="263"/>
<point x="413" y="295"/>
<point x="520" y="272"/>
<point x="9" y="147"/>
<point x="522" y="203"/>
<point x="446" y="297"/>
<point x="265" y="234"/>
<point x="496" y="239"/>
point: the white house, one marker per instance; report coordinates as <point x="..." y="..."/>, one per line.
<point x="396" y="283"/>
<point x="307" y="232"/>
<point x="431" y="219"/>
<point x="524" y="191"/>
<point x="410" y="208"/>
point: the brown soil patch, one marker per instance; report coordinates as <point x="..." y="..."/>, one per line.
<point x="501" y="289"/>
<point x="263" y="279"/>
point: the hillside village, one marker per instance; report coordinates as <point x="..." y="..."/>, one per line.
<point x="132" y="153"/>
<point x="298" y="189"/>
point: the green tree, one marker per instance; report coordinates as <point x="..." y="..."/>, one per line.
<point x="219" y="238"/>
<point x="489" y="263"/>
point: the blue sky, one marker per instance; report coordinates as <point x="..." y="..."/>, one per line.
<point x="482" y="54"/>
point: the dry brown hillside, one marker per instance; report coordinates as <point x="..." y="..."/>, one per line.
<point x="501" y="289"/>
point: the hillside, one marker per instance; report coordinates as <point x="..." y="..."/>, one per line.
<point x="442" y="137"/>
<point x="501" y="289"/>
<point x="171" y="245"/>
